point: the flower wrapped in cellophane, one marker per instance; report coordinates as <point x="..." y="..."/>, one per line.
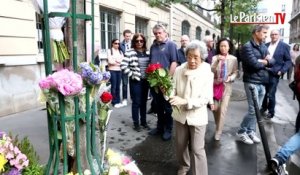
<point x="93" y="77"/>
<point x="118" y="163"/>
<point x="69" y="84"/>
<point x="12" y="160"/>
<point x="103" y="110"/>
<point x="103" y="107"/>
<point x="60" y="52"/>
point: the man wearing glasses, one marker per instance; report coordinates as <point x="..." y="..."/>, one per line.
<point x="280" y="52"/>
<point x="164" y="52"/>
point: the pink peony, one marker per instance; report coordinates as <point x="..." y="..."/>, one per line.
<point x="66" y="82"/>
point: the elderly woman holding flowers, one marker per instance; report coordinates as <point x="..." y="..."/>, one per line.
<point x="193" y="90"/>
<point x="134" y="64"/>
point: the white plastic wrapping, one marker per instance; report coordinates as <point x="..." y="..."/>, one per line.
<point x="55" y="23"/>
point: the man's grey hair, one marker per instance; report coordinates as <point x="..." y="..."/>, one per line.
<point x="259" y="27"/>
<point x="200" y="45"/>
<point x="159" y="26"/>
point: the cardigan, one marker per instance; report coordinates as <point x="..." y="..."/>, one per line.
<point x="231" y="67"/>
<point x="196" y="86"/>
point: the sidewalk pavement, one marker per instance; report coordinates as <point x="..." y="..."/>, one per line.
<point x="228" y="156"/>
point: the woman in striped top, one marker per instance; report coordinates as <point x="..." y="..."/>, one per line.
<point x="134" y="64"/>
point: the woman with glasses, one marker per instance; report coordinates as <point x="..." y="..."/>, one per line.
<point x="134" y="64"/>
<point x="115" y="57"/>
<point x="193" y="89"/>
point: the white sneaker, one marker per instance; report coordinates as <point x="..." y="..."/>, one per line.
<point x="244" y="138"/>
<point x="118" y="105"/>
<point x="253" y="137"/>
<point x="124" y="102"/>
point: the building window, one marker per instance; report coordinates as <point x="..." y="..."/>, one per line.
<point x="141" y="26"/>
<point x="185" y="28"/>
<point x="283" y="8"/>
<point x="281" y="32"/>
<point x="38" y="19"/>
<point x="207" y="32"/>
<point x="198" y="33"/>
<point x="110" y="27"/>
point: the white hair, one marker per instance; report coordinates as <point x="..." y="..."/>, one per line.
<point x="200" y="45"/>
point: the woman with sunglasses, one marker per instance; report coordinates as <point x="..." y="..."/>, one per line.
<point x="134" y="64"/>
<point x="115" y="57"/>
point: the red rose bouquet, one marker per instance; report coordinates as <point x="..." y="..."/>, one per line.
<point x="159" y="79"/>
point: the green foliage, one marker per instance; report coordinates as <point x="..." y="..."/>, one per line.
<point x="240" y="33"/>
<point x="24" y="145"/>
<point x="155" y="3"/>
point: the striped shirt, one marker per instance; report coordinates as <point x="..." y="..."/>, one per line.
<point x="143" y="60"/>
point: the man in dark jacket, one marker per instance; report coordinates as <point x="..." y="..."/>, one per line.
<point x="280" y="52"/>
<point x="254" y="59"/>
<point x="181" y="51"/>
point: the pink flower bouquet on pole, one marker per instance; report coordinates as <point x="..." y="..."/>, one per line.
<point x="69" y="84"/>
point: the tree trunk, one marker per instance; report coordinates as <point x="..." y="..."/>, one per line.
<point x="222" y="24"/>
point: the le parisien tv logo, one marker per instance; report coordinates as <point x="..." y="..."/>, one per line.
<point x="244" y="18"/>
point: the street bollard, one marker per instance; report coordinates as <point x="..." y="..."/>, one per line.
<point x="261" y="128"/>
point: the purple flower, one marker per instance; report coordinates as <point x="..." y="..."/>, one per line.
<point x="2" y="134"/>
<point x="106" y="75"/>
<point x="13" y="171"/>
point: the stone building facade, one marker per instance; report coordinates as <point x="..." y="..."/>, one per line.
<point x="295" y="22"/>
<point x="21" y="47"/>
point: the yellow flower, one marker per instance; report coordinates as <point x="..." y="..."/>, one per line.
<point x="3" y="161"/>
<point x="114" y="158"/>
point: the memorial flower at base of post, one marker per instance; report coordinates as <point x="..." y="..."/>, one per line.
<point x="12" y="160"/>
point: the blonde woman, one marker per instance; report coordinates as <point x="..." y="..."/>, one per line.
<point x="225" y="68"/>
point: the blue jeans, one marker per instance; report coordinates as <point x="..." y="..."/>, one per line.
<point x="269" y="101"/>
<point x="139" y="94"/>
<point x="164" y="112"/>
<point x="124" y="85"/>
<point x="292" y="145"/>
<point x="115" y="80"/>
<point x="249" y="122"/>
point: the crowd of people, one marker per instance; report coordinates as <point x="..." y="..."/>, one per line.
<point x="203" y="73"/>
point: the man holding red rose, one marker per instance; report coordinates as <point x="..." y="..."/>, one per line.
<point x="164" y="52"/>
